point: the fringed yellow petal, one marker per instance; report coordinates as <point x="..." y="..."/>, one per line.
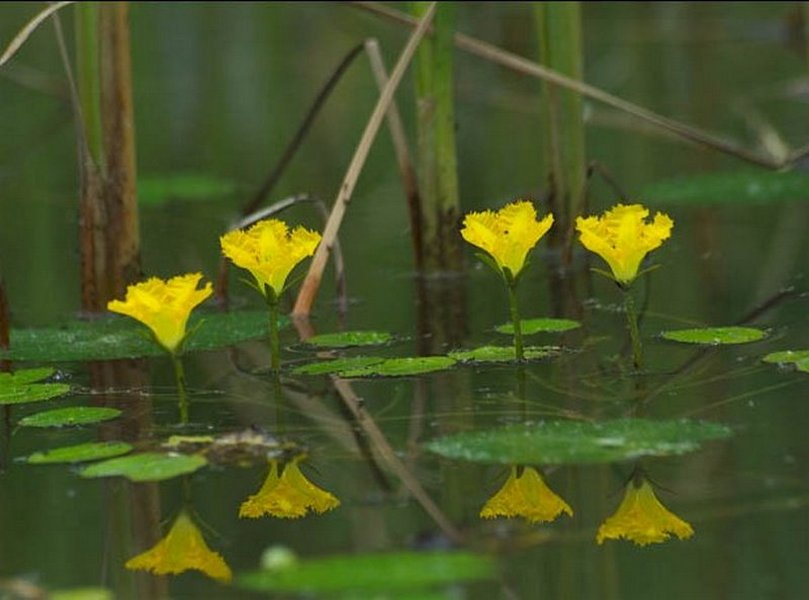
<point x="642" y="519"/>
<point x="163" y="306"/>
<point x="507" y="235"/>
<point x="623" y="237"/>
<point x="525" y="495"/>
<point x="182" y="549"/>
<point x="288" y="496"/>
<point x="269" y="251"/>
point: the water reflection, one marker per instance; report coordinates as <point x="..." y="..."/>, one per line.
<point x="525" y="494"/>
<point x="287" y="494"/>
<point x="183" y="548"/>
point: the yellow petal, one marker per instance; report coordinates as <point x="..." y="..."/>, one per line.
<point x="269" y="251"/>
<point x="507" y="235"/>
<point x="182" y="549"/>
<point x="525" y="495"/>
<point x="642" y="519"/>
<point x="623" y="237"/>
<point x="163" y="306"/>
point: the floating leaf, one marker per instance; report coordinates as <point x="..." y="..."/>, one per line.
<point x="578" y="442"/>
<point x="401" y="367"/>
<point x="346" y="339"/>
<point x="532" y="326"/>
<point x="371" y="573"/>
<point x="80" y="453"/>
<point x="714" y="336"/>
<point x="87" y="593"/>
<point x="799" y="358"/>
<point x="149" y="466"/>
<point x="72" y="415"/>
<point x="120" y="337"/>
<point x="338" y="365"/>
<point x="734" y="187"/>
<point x="156" y="190"/>
<point x="489" y="354"/>
<point x="20" y="387"/>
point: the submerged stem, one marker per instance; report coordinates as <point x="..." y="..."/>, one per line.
<point x="179" y="375"/>
<point x="515" y="320"/>
<point x="634" y="333"/>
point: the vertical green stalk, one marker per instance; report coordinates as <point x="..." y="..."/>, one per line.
<point x="560" y="48"/>
<point x="437" y="161"/>
<point x="88" y="77"/>
<point x="515" y="320"/>
<point x="634" y="333"/>
<point x="275" y="343"/>
<point x="179" y="376"/>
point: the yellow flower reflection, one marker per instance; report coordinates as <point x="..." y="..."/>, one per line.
<point x="163" y="306"/>
<point x="182" y="549"/>
<point x="508" y="234"/>
<point x="287" y="494"/>
<point x="269" y="250"/>
<point x="525" y="495"/>
<point x="622" y="237"/>
<point x="642" y="519"/>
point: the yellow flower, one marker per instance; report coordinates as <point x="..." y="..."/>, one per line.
<point x="622" y="237"/>
<point x="525" y="495"/>
<point x="182" y="549"/>
<point x="288" y="496"/>
<point x="269" y="251"/>
<point x="507" y="235"/>
<point x="163" y="306"/>
<point x="642" y="519"/>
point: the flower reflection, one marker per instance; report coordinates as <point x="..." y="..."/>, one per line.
<point x="642" y="519"/>
<point x="525" y="494"/>
<point x="287" y="494"/>
<point x="182" y="549"/>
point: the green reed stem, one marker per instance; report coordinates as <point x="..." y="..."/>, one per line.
<point x="179" y="376"/>
<point x="88" y="76"/>
<point x="634" y="333"/>
<point x="515" y="320"/>
<point x="275" y="343"/>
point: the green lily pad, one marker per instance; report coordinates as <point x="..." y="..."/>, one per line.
<point x="798" y="358"/>
<point x="402" y="367"/>
<point x="149" y="466"/>
<point x="733" y="187"/>
<point x="495" y="354"/>
<point x="122" y="337"/>
<point x="371" y="573"/>
<point x="80" y="453"/>
<point x="578" y="442"/>
<point x="714" y="336"/>
<point x="21" y="386"/>
<point x="347" y="339"/>
<point x="86" y="593"/>
<point x="532" y="326"/>
<point x="327" y="367"/>
<point x="155" y="190"/>
<point x="70" y="416"/>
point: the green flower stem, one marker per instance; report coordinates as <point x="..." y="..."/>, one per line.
<point x="275" y="343"/>
<point x="515" y="319"/>
<point x="179" y="375"/>
<point x="634" y="333"/>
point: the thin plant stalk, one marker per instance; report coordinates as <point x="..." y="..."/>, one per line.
<point x="182" y="392"/>
<point x="514" y="310"/>
<point x="634" y="333"/>
<point x="275" y="343"/>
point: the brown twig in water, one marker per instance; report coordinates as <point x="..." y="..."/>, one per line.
<point x="311" y="284"/>
<point x="29" y="28"/>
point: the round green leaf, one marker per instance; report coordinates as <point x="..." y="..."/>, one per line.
<point x="371" y="573"/>
<point x="401" y="367"/>
<point x="578" y="442"/>
<point x="714" y="336"/>
<point x="72" y="415"/>
<point x="798" y="358"/>
<point x="122" y="337"/>
<point x="149" y="466"/>
<point x="32" y="392"/>
<point x="532" y="326"/>
<point x="490" y="354"/>
<point x="338" y="365"/>
<point x="731" y="187"/>
<point x="80" y="453"/>
<point x="24" y="376"/>
<point x="346" y="339"/>
<point x="88" y="593"/>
